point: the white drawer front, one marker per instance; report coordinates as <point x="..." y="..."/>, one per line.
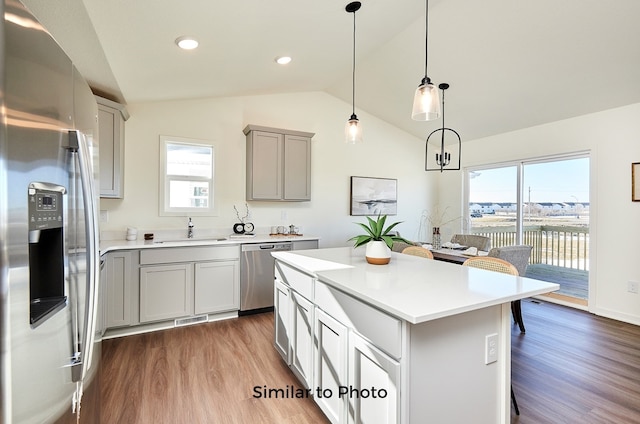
<point x="382" y="330"/>
<point x="164" y="255"/>
<point x="298" y="281"/>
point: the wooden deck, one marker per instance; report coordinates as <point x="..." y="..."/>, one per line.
<point x="573" y="282"/>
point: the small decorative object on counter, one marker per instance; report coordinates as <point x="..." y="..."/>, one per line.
<point x="242" y="226"/>
<point x="238" y="228"/>
<point x="293" y="230"/>
<point x="248" y="228"/>
<point x="435" y="238"/>
<point x="148" y="236"/>
<point x="378" y="240"/>
<point x="132" y="233"/>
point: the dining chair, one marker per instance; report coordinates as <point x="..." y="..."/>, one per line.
<point x="399" y="246"/>
<point x="518" y="256"/>
<point x="497" y="265"/>
<point x="418" y="251"/>
<point x="472" y="240"/>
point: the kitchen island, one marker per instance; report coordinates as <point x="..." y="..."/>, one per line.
<point x="414" y="341"/>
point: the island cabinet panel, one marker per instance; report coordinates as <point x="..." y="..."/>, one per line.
<point x="216" y="287"/>
<point x="301" y="352"/>
<point x="331" y="366"/>
<point x="282" y="313"/>
<point x="383" y="330"/>
<point x="374" y="384"/>
<point x="166" y="292"/>
<point x="298" y="281"/>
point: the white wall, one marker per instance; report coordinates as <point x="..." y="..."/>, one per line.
<point x="613" y="140"/>
<point x="387" y="152"/>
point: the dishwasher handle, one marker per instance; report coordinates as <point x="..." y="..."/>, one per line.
<point x="266" y="246"/>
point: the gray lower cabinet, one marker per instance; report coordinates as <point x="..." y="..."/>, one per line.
<point x="216" y="287"/>
<point x="118" y="276"/>
<point x="154" y="285"/>
<point x="166" y="292"/>
<point x="304" y="244"/>
<point x="185" y="281"/>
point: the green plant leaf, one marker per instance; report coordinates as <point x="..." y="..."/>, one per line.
<point x="391" y="227"/>
<point x="388" y="240"/>
<point x="367" y="229"/>
<point x="361" y="240"/>
<point x="375" y="230"/>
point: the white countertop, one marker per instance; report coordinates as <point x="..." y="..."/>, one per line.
<point x="413" y="288"/>
<point x="109" y="245"/>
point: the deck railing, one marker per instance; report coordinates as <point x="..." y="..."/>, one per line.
<point x="566" y="247"/>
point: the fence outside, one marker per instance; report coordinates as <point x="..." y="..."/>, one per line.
<point x="561" y="246"/>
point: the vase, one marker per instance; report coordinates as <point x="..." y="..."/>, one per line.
<point x="377" y="253"/>
<point x="435" y="238"/>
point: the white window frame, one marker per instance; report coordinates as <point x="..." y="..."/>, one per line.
<point x="165" y="180"/>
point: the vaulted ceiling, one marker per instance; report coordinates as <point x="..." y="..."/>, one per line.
<point x="511" y="64"/>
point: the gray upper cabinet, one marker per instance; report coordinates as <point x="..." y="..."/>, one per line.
<point x="111" y="117"/>
<point x="278" y="164"/>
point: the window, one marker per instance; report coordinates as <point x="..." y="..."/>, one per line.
<point x="187" y="173"/>
<point x="543" y="203"/>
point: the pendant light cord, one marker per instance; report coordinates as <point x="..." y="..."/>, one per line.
<point x="353" y="73"/>
<point x="426" y="35"/>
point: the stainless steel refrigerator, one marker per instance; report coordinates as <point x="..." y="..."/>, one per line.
<point x="48" y="230"/>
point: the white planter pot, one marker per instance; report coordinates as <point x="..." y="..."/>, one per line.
<point x="378" y="253"/>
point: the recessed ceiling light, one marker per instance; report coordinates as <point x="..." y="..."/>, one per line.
<point x="283" y="60"/>
<point x="186" y="43"/>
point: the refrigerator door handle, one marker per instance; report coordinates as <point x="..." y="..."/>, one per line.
<point x="78" y="141"/>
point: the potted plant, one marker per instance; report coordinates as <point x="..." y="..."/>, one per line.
<point x="377" y="240"/>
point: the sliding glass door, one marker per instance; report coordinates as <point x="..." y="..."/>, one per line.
<point x="541" y="203"/>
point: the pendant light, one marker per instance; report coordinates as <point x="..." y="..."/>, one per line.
<point x="441" y="160"/>
<point x="426" y="105"/>
<point x="353" y="128"/>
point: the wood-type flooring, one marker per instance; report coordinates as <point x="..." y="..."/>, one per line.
<point x="200" y="374"/>
<point x="569" y="367"/>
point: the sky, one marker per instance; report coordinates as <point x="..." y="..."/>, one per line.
<point x="559" y="181"/>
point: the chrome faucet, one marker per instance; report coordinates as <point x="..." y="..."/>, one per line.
<point x="190" y="230"/>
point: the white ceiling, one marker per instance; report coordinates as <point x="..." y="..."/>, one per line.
<point x="511" y="64"/>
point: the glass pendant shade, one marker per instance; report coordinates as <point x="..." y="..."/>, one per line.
<point x="426" y="102"/>
<point x="353" y="131"/>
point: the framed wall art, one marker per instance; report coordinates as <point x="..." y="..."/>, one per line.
<point x="374" y="196"/>
<point x="635" y="182"/>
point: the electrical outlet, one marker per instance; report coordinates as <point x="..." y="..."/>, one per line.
<point x="283" y="215"/>
<point x="104" y="216"/>
<point x="491" y="348"/>
<point x="632" y="287"/>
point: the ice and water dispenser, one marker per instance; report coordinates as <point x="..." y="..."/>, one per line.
<point x="46" y="251"/>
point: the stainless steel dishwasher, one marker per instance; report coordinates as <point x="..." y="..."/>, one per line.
<point x="257" y="276"/>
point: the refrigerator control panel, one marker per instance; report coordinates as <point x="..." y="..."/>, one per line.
<point x="45" y="206"/>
